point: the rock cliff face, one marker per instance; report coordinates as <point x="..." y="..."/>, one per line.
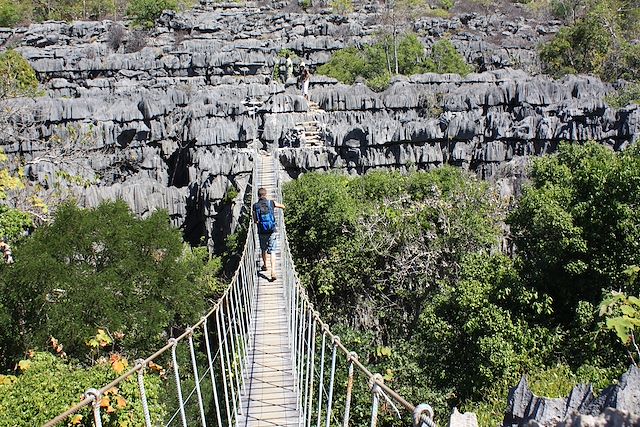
<point x="171" y="119"/>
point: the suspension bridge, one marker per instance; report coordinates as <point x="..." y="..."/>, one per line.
<point x="265" y="357"/>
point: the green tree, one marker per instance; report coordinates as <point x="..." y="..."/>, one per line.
<point x="600" y="41"/>
<point x="19" y="78"/>
<point x="444" y="58"/>
<point x="576" y="227"/>
<point x="98" y="268"/>
<point x="375" y="63"/>
<point x="345" y="65"/>
<point x="12" y="13"/>
<point x="385" y="239"/>
<point x="145" y="12"/>
<point x="472" y="333"/>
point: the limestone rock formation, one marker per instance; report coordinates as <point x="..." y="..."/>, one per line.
<point x="617" y="405"/>
<point x="172" y="118"/>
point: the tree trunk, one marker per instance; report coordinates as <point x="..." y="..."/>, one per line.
<point x="395" y="48"/>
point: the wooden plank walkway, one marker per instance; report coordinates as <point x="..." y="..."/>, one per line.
<point x="269" y="398"/>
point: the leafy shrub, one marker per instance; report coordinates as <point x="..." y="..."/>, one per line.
<point x="98" y="268"/>
<point x="600" y="42"/>
<point x="13" y="222"/>
<point x="375" y="62"/>
<point x="48" y="386"/>
<point x="444" y="58"/>
<point x="11" y="13"/>
<point x="446" y="4"/>
<point x="341" y="7"/>
<point x="345" y="65"/>
<point x="19" y="79"/>
<point x="629" y="94"/>
<point x="439" y="13"/>
<point x="580" y="202"/>
<point x="145" y="12"/>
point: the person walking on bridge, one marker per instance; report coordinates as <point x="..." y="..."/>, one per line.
<point x="265" y="219"/>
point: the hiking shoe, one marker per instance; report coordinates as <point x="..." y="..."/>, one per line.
<point x="263" y="268"/>
<point x="273" y="278"/>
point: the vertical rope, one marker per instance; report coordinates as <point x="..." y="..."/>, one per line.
<point x="143" y="393"/>
<point x="347" y="404"/>
<point x="336" y="340"/>
<point x="231" y="353"/>
<point x="300" y="371"/>
<point x="222" y="363"/>
<point x="321" y="380"/>
<point x="294" y="335"/>
<point x="311" y="367"/>
<point x="196" y="377"/>
<point x="213" y="378"/>
<point x="235" y="343"/>
<point x="95" y="406"/>
<point x="230" y="371"/>
<point x="305" y="367"/>
<point x="375" y="393"/>
<point x="177" y="378"/>
<point x="374" y="408"/>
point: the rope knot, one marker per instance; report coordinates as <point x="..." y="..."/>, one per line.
<point x="419" y="414"/>
<point x="336" y="340"/>
<point x="94" y="395"/>
<point x="374" y="383"/>
<point x="173" y="342"/>
<point x="140" y="363"/>
<point x="353" y="356"/>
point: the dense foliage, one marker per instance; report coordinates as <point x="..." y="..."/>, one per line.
<point x="411" y="264"/>
<point x="598" y="39"/>
<point x="48" y="385"/>
<point x="576" y="226"/>
<point x="100" y="268"/>
<point x="375" y="63"/>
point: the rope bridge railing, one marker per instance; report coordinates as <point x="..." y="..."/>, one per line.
<point x="224" y="332"/>
<point x="306" y="331"/>
<point x="214" y="353"/>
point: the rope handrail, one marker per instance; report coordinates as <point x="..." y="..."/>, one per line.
<point x="422" y="414"/>
<point x="233" y="320"/>
<point x="92" y="395"/>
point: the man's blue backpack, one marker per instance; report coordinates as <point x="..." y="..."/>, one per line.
<point x="266" y="218"/>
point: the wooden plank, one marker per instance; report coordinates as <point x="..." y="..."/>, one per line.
<point x="269" y="398"/>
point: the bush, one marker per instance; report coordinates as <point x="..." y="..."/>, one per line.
<point x="576" y="227"/>
<point x="48" y="386"/>
<point x="98" y="268"/>
<point x="444" y="58"/>
<point x="19" y="79"/>
<point x="11" y="13"/>
<point x="629" y="94"/>
<point x="375" y="62"/>
<point x="601" y="42"/>
<point x="145" y="12"/>
<point x="345" y="65"/>
<point x="341" y="7"/>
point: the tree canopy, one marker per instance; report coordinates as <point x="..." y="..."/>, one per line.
<point x="375" y="63"/>
<point x="98" y="268"/>
<point x="577" y="226"/>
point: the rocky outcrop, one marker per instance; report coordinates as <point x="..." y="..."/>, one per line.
<point x="617" y="405"/>
<point x="171" y="119"/>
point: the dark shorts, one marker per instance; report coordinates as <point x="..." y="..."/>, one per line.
<point x="267" y="242"/>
